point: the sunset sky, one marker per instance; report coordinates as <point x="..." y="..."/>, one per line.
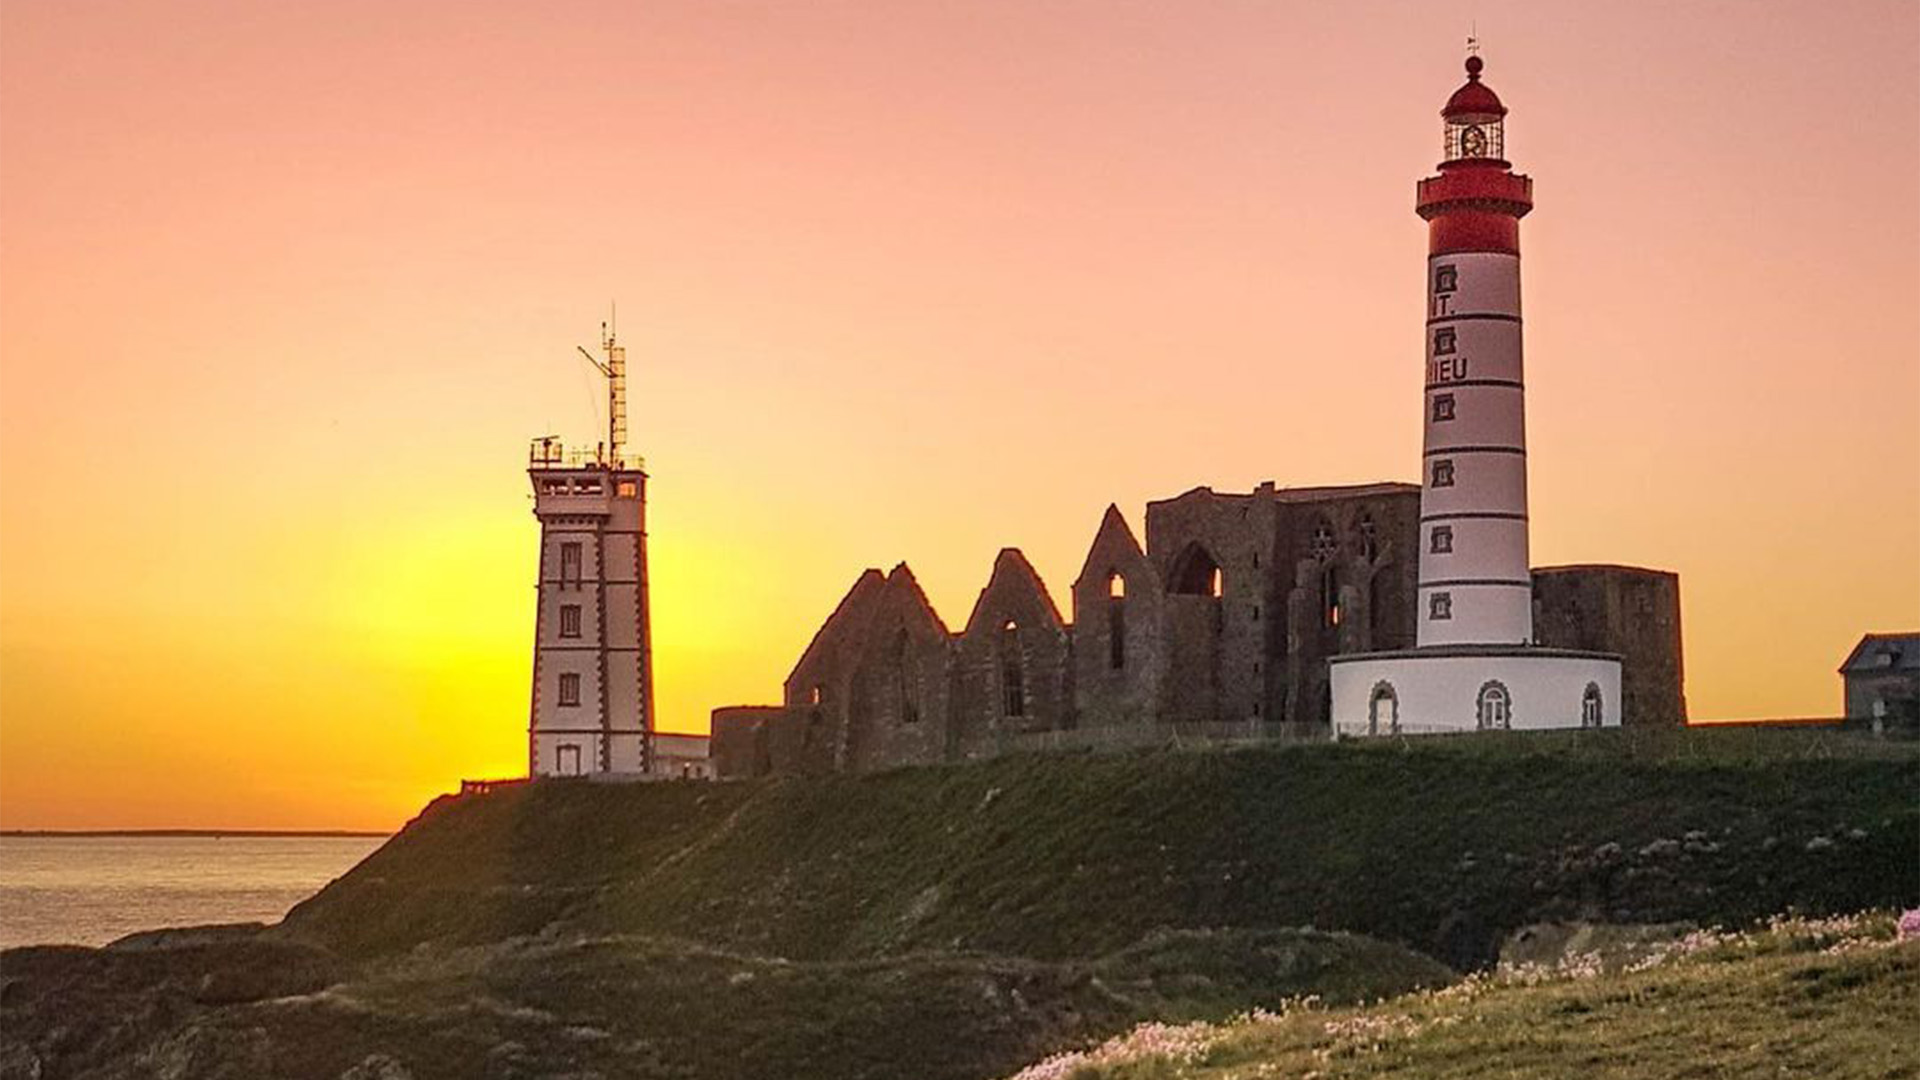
<point x="285" y="288"/>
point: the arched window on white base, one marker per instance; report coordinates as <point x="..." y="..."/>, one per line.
<point x="1383" y="710"/>
<point x="1494" y="710"/>
<point x="1592" y="707"/>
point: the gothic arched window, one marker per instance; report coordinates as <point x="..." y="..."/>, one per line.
<point x="1383" y="710"/>
<point x="1494" y="711"/>
<point x="1322" y="544"/>
<point x="1196" y="572"/>
<point x="1013" y="677"/>
<point x="904" y="680"/>
<point x="1592" y="707"/>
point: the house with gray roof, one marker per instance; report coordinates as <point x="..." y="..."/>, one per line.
<point x="1882" y="677"/>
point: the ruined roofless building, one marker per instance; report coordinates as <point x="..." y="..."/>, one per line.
<point x="1220" y="627"/>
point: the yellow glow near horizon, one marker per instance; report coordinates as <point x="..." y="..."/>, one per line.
<point x="285" y="291"/>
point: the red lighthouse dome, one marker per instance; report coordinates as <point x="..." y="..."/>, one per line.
<point x="1475" y="99"/>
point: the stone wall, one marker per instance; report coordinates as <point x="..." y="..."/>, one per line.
<point x="1627" y="610"/>
<point x="1222" y="622"/>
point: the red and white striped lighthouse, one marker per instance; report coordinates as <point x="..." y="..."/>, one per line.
<point x="1475" y="585"/>
<point x="1474" y="666"/>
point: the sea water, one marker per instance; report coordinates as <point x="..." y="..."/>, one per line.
<point x="89" y="890"/>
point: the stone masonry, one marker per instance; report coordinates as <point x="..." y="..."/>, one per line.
<point x="1220" y="627"/>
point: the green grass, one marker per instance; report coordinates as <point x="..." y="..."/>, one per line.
<point x="1445" y="845"/>
<point x="957" y="923"/>
<point x="1775" y="1004"/>
<point x="644" y="1008"/>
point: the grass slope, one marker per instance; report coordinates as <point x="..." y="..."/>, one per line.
<point x="1801" y="1002"/>
<point x="1442" y="844"/>
<point x="635" y="1007"/>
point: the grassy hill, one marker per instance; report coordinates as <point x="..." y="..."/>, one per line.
<point x="643" y="1008"/>
<point x="1832" y="998"/>
<point x="1444" y="845"/>
<point x="958" y="923"/>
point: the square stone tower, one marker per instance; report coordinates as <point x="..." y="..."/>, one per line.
<point x="592" y="710"/>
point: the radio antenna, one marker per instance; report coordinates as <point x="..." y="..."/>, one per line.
<point x="614" y="368"/>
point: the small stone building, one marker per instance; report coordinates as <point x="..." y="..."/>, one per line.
<point x="1219" y="627"/>
<point x="1882" y="682"/>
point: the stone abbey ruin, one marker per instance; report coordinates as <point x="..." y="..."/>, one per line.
<point x="1219" y="628"/>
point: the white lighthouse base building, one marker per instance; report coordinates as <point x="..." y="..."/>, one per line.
<point x="1452" y="688"/>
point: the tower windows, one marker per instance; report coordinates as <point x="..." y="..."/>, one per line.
<point x="628" y="489"/>
<point x="569" y="620"/>
<point x="1013" y="683"/>
<point x="570" y="562"/>
<point x="1592" y="708"/>
<point x="1444" y="340"/>
<point x="1443" y="473"/>
<point x="1440" y="541"/>
<point x="1494" y="709"/>
<point x="1369" y="539"/>
<point x="1446" y="279"/>
<point x="1013" y="677"/>
<point x="1442" y="408"/>
<point x="1330" y="595"/>
<point x="566" y="760"/>
<point x="1383" y="710"/>
<point x="1440" y="607"/>
<point x="904" y="681"/>
<point x="569" y="688"/>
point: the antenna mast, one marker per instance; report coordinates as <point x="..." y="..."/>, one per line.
<point x="615" y="369"/>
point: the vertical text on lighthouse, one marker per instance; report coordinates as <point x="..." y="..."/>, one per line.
<point x="592" y="702"/>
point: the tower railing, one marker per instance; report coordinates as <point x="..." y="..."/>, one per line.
<point x="551" y="453"/>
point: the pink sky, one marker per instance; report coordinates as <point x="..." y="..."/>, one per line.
<point x="285" y="288"/>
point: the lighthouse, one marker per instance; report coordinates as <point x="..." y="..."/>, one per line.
<point x="1474" y="665"/>
<point x="592" y="699"/>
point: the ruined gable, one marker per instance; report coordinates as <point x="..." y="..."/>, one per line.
<point x="1011" y="668"/>
<point x="900" y="669"/>
<point x="821" y="665"/>
<point x="1118" y="634"/>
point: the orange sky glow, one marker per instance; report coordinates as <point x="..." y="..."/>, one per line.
<point x="286" y="288"/>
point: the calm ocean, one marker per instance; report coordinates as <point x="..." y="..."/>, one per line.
<point x="89" y="890"/>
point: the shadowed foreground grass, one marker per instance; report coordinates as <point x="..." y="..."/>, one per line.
<point x="1445" y="845"/>
<point x="635" y="1008"/>
<point x="1821" y="998"/>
